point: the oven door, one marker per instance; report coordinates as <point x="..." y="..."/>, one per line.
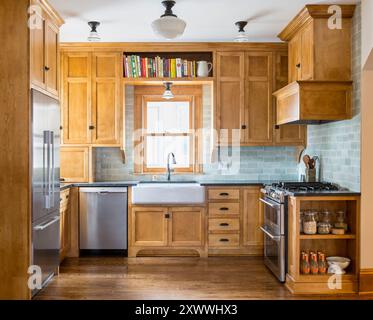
<point x="274" y="253"/>
<point x="274" y="216"/>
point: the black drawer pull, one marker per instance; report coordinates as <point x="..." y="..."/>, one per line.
<point x="224" y="209"/>
<point x="298" y="65"/>
<point x="167" y="216"/>
<point x="224" y="224"/>
<point x="224" y="240"/>
<point x="224" y="194"/>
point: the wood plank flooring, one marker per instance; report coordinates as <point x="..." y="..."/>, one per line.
<point x="168" y="278"/>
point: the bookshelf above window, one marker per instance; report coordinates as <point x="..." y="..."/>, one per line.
<point x="165" y="65"/>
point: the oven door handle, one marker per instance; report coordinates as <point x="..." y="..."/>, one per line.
<point x="274" y="238"/>
<point x="272" y="205"/>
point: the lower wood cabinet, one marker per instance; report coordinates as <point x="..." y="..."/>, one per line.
<point x="74" y="164"/>
<point x="235" y="217"/>
<point x="162" y="230"/>
<point x="64" y="223"/>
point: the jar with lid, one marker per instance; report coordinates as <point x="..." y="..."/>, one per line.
<point x="324" y="228"/>
<point x="309" y="222"/>
<point x="340" y="220"/>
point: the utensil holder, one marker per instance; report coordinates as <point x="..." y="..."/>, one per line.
<point x="310" y="175"/>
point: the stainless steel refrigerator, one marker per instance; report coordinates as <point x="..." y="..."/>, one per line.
<point x="45" y="184"/>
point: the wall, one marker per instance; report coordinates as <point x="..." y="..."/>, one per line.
<point x="367" y="134"/>
<point x="338" y="143"/>
<point x="367" y="34"/>
<point x="256" y="163"/>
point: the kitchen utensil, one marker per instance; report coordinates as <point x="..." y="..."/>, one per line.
<point x="306" y="160"/>
<point x="312" y="163"/>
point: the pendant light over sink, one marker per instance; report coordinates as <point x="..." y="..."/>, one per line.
<point x="168" y="26"/>
<point x="93" y="35"/>
<point x="242" y="35"/>
<point x="168" y="93"/>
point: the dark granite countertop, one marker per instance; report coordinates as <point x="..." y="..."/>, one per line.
<point x="98" y="184"/>
<point x="234" y="182"/>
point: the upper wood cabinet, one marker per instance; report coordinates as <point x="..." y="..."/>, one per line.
<point x="91" y="98"/>
<point x="74" y="164"/>
<point x="245" y="83"/>
<point x="44" y="47"/>
<point x="230" y="95"/>
<point x="317" y="52"/>
<point x="258" y="98"/>
<point x="320" y="63"/>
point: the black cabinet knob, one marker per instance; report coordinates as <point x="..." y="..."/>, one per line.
<point x="298" y="65"/>
<point x="91" y="127"/>
<point x="167" y="216"/>
<point x="46" y="68"/>
<point x="243" y="127"/>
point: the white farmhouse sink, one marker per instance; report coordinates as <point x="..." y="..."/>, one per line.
<point x="168" y="193"/>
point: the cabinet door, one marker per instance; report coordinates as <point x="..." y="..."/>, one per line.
<point x="51" y="57"/>
<point x="307" y="54"/>
<point x="286" y="134"/>
<point x="258" y="98"/>
<point x="37" y="51"/>
<point x="187" y="227"/>
<point x="252" y="219"/>
<point x="74" y="164"/>
<point x="230" y="95"/>
<point x="295" y="59"/>
<point x="76" y="102"/>
<point x="64" y="231"/>
<point x="105" y="98"/>
<point x="149" y="226"/>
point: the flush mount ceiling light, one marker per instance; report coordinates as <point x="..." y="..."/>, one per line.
<point x="242" y="35"/>
<point x="169" y="26"/>
<point x="93" y="35"/>
<point x="167" y="94"/>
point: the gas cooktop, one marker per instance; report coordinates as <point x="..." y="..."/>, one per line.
<point x="305" y="186"/>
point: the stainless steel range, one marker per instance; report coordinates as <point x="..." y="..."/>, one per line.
<point x="275" y="198"/>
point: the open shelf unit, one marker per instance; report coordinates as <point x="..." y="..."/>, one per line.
<point x="346" y="245"/>
<point x="186" y="55"/>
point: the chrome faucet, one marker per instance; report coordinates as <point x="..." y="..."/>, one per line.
<point x="169" y="170"/>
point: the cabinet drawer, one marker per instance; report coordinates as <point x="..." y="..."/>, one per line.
<point x="224" y="208"/>
<point x="224" y="225"/>
<point x="224" y="194"/>
<point x="224" y="240"/>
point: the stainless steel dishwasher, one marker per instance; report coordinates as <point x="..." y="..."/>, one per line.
<point x="103" y="219"/>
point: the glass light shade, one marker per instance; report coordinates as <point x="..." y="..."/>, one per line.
<point x="169" y="27"/>
<point x="94" y="36"/>
<point x="168" y="95"/>
<point x="241" y="37"/>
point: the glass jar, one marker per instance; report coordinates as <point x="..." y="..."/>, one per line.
<point x="314" y="264"/>
<point x="322" y="263"/>
<point x="309" y="222"/>
<point x="305" y="265"/>
<point x="340" y="220"/>
<point x="324" y="228"/>
<point x="326" y="216"/>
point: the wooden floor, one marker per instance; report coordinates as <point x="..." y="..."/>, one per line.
<point x="168" y="278"/>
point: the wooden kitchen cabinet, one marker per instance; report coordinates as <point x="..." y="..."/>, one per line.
<point x="65" y="222"/>
<point x="91" y="98"/>
<point x="187" y="227"/>
<point x="44" y="48"/>
<point x="258" y="98"/>
<point x="319" y="68"/>
<point x="165" y="230"/>
<point x="230" y="95"/>
<point x="74" y="162"/>
<point x="149" y="226"/>
<point x="234" y="223"/>
<point x="252" y="220"/>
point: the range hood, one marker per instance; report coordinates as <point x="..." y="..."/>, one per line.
<point x="314" y="102"/>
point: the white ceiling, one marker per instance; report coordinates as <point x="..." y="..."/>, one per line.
<point x="207" y="20"/>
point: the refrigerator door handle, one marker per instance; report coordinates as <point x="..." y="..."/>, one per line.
<point x="52" y="182"/>
<point x="46" y="167"/>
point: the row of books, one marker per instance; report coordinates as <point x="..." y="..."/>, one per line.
<point x="157" y="67"/>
